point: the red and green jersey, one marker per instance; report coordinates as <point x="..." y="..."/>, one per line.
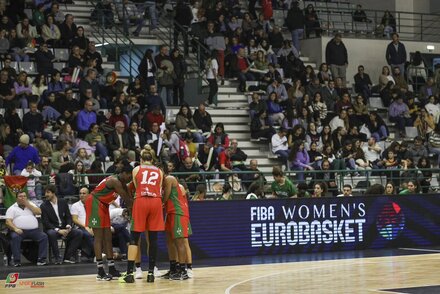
<point x="177" y="202"/>
<point x="103" y="193"/>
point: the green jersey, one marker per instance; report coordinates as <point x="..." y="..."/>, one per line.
<point x="285" y="190"/>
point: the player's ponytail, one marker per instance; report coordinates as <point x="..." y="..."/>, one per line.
<point x="146" y="156"/>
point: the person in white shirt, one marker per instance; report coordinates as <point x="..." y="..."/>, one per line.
<point x="119" y="219"/>
<point x="211" y="76"/>
<point x="346" y="191"/>
<point x="33" y="176"/>
<point x="279" y="144"/>
<point x="339" y="121"/>
<point x="78" y="212"/>
<point x="23" y="224"/>
<point x="372" y="152"/>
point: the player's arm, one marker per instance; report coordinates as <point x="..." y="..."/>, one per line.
<point x="168" y="185"/>
<point x="134" y="174"/>
<point x="117" y="186"/>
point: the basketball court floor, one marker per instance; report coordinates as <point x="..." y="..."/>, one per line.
<point x="404" y="270"/>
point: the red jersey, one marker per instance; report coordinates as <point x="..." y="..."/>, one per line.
<point x="103" y="193"/>
<point x="177" y="202"/>
<point x="148" y="181"/>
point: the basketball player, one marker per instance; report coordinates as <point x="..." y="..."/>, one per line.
<point x="147" y="214"/>
<point x="177" y="226"/>
<point x="98" y="217"/>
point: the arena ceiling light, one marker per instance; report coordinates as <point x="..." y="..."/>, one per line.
<point x="100" y="45"/>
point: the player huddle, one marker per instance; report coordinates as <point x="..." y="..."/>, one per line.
<point x="151" y="190"/>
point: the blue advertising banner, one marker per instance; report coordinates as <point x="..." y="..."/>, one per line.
<point x="259" y="227"/>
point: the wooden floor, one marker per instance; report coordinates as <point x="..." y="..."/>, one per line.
<point x="361" y="275"/>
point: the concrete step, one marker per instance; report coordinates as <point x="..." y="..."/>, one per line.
<point x="235" y="104"/>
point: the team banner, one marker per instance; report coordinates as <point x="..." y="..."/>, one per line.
<point x="14" y="184"/>
<point x="257" y="227"/>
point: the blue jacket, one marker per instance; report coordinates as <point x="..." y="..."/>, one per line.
<point x="21" y="156"/>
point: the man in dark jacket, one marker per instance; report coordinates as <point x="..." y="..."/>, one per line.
<point x="118" y="142"/>
<point x="396" y="53"/>
<point x="57" y="223"/>
<point x="182" y="21"/>
<point x="202" y="119"/>
<point x="33" y="124"/>
<point x="336" y="57"/>
<point x="68" y="31"/>
<point x="44" y="60"/>
<point x="295" y="23"/>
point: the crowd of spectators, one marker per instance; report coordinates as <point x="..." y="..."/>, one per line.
<point x="307" y="115"/>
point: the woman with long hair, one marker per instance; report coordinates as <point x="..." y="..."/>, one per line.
<point x="312" y="21"/>
<point x="324" y="74"/>
<point x="39" y="87"/>
<point x="55" y="84"/>
<point x="96" y="139"/>
<point x="67" y="134"/>
<point x="116" y="116"/>
<point x="299" y="159"/>
<point x="326" y="136"/>
<point x="7" y="139"/>
<point x="13" y="120"/>
<point x="319" y="190"/>
<point x="50" y="32"/>
<point x="84" y="157"/>
<point x="390" y="189"/>
<point x="274" y="109"/>
<point x="425" y="174"/>
<point x="313" y="136"/>
<point x="297" y="133"/>
<point x="23" y="90"/>
<point x="97" y="174"/>
<point x="80" y="179"/>
<point x="319" y="109"/>
<point x="219" y="139"/>
<point x="80" y="40"/>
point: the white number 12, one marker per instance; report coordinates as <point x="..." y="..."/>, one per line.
<point x="149" y="180"/>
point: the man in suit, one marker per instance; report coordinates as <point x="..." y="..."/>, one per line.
<point x="57" y="223"/>
<point x="118" y="142"/>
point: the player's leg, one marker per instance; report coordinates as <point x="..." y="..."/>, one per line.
<point x="152" y="255"/>
<point x="180" y="274"/>
<point x="137" y="262"/>
<point x="107" y="235"/>
<point x="188" y="259"/>
<point x="128" y="277"/>
<point x="98" y="246"/>
<point x="172" y="251"/>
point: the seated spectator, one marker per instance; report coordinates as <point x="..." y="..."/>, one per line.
<point x="184" y="121"/>
<point x="79" y="178"/>
<point x="219" y="139"/>
<point x="300" y="160"/>
<point x="278" y="87"/>
<point x="50" y="32"/>
<point x="4" y="44"/>
<point x="27" y="32"/>
<point x="33" y="183"/>
<point x="119" y="219"/>
<point x="57" y="223"/>
<point x="359" y="14"/>
<point x="399" y="114"/>
<point x="68" y="30"/>
<point x="23" y="90"/>
<point x="377" y="127"/>
<point x="118" y="116"/>
<point x="226" y="192"/>
<point x="118" y="142"/>
<point x="424" y="123"/>
<point x="81" y="41"/>
<point x="344" y="103"/>
<point x="86" y="117"/>
<point x="312" y="21"/>
<point x="296" y="133"/>
<point x="50" y="108"/>
<point x="325" y="175"/>
<point x="279" y="144"/>
<point x="362" y="82"/>
<point x="274" y="110"/>
<point x="56" y="85"/>
<point x="261" y="127"/>
<point x="425" y="174"/>
<point x="339" y="121"/>
<point x="399" y="78"/>
<point x="62" y="158"/>
<point x="39" y="87"/>
<point x="202" y="118"/>
<point x="412" y="187"/>
<point x="17" y="47"/>
<point x="78" y="212"/>
<point x="192" y="174"/>
<point x="256" y="106"/>
<point x="238" y="156"/>
<point x="324" y="74"/>
<point x="23" y="224"/>
<point x="203" y="155"/>
<point x="33" y="124"/>
<point x="388" y="24"/>
<point x="22" y="154"/>
<point x="44" y="60"/>
<point x="76" y="60"/>
<point x="339" y="136"/>
<point x="319" y="190"/>
<point x="372" y="152"/>
<point x="427" y="90"/>
<point x="346" y="191"/>
<point x="241" y="69"/>
<point x="282" y="187"/>
<point x="56" y="12"/>
<point x="96" y="139"/>
<point x="433" y="108"/>
<point x="95" y="170"/>
<point x="319" y="109"/>
<point x="86" y="158"/>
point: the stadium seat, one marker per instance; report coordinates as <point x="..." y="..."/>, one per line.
<point x="59" y="65"/>
<point x="411" y="132"/>
<point x="61" y="54"/>
<point x="28" y="66"/>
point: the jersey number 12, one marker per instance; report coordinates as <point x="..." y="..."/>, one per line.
<point x="149" y="180"/>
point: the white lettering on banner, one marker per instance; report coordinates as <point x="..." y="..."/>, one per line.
<point x="308" y="225"/>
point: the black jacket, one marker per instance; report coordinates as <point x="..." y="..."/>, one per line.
<point x="44" y="61"/>
<point x="33" y="122"/>
<point x="295" y="19"/>
<point x="336" y="54"/>
<point x="132" y="142"/>
<point x="113" y="141"/>
<point x="49" y="218"/>
<point x="202" y="122"/>
<point x="183" y="14"/>
<point x="395" y="57"/>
